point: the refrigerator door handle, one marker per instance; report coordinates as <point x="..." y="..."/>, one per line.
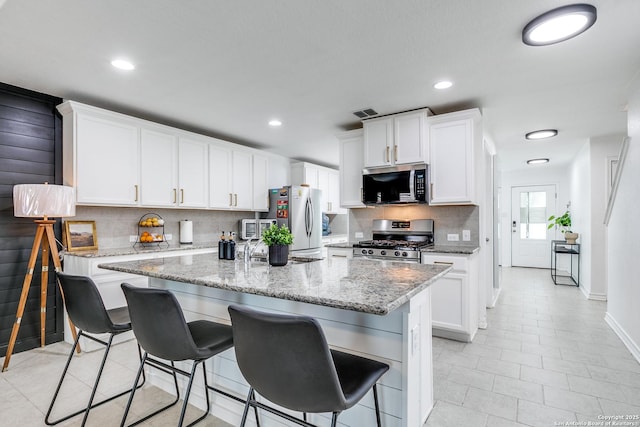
<point x="310" y="231"/>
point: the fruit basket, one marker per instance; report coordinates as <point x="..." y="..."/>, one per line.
<point x="151" y="231"/>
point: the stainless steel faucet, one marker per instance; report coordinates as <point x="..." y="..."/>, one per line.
<point x="248" y="251"/>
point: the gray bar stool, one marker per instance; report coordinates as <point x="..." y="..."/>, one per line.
<point x="286" y="359"/>
<point x="86" y="309"/>
<point x="162" y="331"/>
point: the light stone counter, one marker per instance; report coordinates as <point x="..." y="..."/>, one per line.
<point x="375" y="309"/>
<point x="140" y="250"/>
<point x="368" y="286"/>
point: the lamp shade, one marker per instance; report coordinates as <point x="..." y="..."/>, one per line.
<point x="43" y="200"/>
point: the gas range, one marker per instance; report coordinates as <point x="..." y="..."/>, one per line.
<point x="399" y="240"/>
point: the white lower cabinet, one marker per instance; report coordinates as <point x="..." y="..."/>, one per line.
<point x="454" y="298"/>
<point x="108" y="283"/>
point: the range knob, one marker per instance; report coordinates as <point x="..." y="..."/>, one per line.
<point x="383" y="252"/>
<point x="404" y="254"/>
<point x="370" y="251"/>
<point x="364" y="252"/>
<point x="396" y="253"/>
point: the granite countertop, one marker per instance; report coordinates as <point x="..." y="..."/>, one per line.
<point x="368" y="286"/>
<point x="453" y="249"/>
<point x="343" y="245"/>
<point x="130" y="250"/>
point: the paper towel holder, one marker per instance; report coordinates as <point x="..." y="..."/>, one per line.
<point x="186" y="232"/>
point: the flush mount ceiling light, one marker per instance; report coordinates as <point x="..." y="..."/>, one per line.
<point x="559" y="24"/>
<point x="537" y="161"/>
<point x="275" y="123"/>
<point x="444" y="84"/>
<point x="123" y="64"/>
<point x="541" y="134"/>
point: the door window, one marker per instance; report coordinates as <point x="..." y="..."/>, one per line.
<point x="533" y="215"/>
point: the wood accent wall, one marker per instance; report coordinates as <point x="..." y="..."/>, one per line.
<point x="30" y="153"/>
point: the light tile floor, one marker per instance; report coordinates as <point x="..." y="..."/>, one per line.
<point x="547" y="359"/>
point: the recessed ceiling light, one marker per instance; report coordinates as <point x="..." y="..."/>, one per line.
<point x="559" y="24"/>
<point x="537" y="161"/>
<point x="541" y="134"/>
<point x="444" y="84"/>
<point x="123" y="64"/>
<point x="275" y="123"/>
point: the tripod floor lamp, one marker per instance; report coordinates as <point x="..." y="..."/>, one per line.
<point x="40" y="201"/>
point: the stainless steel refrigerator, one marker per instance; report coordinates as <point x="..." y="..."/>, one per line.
<point x="299" y="209"/>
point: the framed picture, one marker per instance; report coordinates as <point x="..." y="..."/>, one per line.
<point x="81" y="235"/>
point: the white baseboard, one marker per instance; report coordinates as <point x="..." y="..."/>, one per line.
<point x="633" y="347"/>
<point x="494" y="300"/>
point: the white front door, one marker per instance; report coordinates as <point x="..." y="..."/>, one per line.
<point x="530" y="239"/>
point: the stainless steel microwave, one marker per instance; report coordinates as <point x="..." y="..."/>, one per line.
<point x="253" y="228"/>
<point x="396" y="185"/>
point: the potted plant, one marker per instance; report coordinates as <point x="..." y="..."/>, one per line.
<point x="278" y="240"/>
<point x="564" y="223"/>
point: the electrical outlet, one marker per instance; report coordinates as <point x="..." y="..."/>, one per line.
<point x="359" y="235"/>
<point x="453" y="237"/>
<point x="168" y="237"/>
<point x="466" y="235"/>
<point x="133" y="238"/>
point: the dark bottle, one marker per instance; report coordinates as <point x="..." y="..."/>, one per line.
<point x="222" y="247"/>
<point x="231" y="248"/>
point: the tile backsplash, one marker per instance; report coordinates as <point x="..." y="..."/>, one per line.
<point x="115" y="225"/>
<point x="447" y="219"/>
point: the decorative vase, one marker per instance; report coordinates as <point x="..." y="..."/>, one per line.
<point x="571" y="237"/>
<point x="278" y="255"/>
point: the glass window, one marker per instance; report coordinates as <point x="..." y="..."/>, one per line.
<point x="533" y="215"/>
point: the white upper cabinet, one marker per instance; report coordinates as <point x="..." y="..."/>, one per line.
<point x="220" y="193"/>
<point x="231" y="178"/>
<point x="260" y="183"/>
<point x="117" y="160"/>
<point x="452" y="139"/>
<point x="396" y="139"/>
<point x="325" y="179"/>
<point x="101" y="156"/>
<point x="242" y="181"/>
<point x="193" y="170"/>
<point x="351" y="165"/>
<point x="378" y="137"/>
<point x="158" y="169"/>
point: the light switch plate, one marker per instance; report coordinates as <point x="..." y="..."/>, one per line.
<point x="466" y="235"/>
<point x="453" y="237"/>
<point x="168" y="237"/>
<point x="359" y="234"/>
<point x="133" y="238"/>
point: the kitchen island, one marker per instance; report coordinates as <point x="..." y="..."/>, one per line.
<point x="377" y="309"/>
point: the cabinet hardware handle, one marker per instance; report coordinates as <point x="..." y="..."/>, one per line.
<point x="136" y="186"/>
<point x="230" y="199"/>
<point x="431" y="191"/>
<point x="181" y="195"/>
<point x="395" y="153"/>
<point x="175" y="195"/>
<point x="235" y="199"/>
<point x="387" y="154"/>
<point x="443" y="262"/>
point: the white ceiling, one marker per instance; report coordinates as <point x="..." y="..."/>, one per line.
<point x="225" y="68"/>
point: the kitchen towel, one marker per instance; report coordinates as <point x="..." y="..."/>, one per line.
<point x="186" y="231"/>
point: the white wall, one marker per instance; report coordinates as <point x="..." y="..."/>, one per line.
<point x="537" y="175"/>
<point x="580" y="196"/>
<point x="623" y="313"/>
<point x="602" y="148"/>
